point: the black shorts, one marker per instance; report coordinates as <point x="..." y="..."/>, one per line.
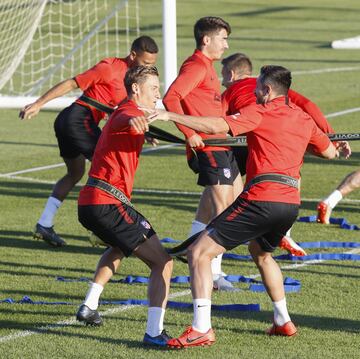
<point x="244" y="220"/>
<point x="217" y="167"/>
<point x="76" y="132"/>
<point x="240" y="154"/>
<point x="118" y="225"/>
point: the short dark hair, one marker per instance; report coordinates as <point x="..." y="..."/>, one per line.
<point x="239" y="63"/>
<point x="208" y="25"/>
<point x="277" y="76"/>
<point x="138" y="75"/>
<point x="144" y="44"/>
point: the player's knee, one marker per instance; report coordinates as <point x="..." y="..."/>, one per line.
<point x="76" y="174"/>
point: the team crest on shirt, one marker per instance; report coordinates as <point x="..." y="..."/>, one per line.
<point x="227" y="172"/>
<point x="145" y="224"/>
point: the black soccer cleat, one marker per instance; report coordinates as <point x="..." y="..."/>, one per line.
<point x="48" y="235"/>
<point x="88" y="316"/>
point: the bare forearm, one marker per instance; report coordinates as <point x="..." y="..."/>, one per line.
<point x="58" y="90"/>
<point x="210" y="125"/>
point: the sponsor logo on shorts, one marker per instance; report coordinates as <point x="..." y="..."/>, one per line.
<point x="227" y="172"/>
<point x="145" y="224"/>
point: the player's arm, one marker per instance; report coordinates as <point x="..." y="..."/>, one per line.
<point x="320" y="145"/>
<point x="58" y="90"/>
<point x="314" y="111"/>
<point x="243" y="122"/>
<point x="190" y="77"/>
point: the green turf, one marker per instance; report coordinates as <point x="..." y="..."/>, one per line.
<point x="296" y="35"/>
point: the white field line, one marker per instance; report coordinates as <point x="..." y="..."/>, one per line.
<point x="330" y="69"/>
<point x="70" y="322"/>
<point x="345" y="112"/>
<point x="35" y="169"/>
<point x="158" y="191"/>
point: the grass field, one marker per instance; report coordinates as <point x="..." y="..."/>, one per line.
<point x="327" y="309"/>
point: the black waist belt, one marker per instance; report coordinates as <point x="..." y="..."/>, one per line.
<point x="108" y="188"/>
<point x="273" y="177"/>
<point x="96" y="104"/>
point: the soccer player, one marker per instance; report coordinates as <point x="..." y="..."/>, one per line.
<point x="347" y="185"/>
<point x="196" y="91"/>
<point x="239" y="93"/>
<point x="76" y="127"/>
<point x="278" y="134"/>
<point x="104" y="205"/>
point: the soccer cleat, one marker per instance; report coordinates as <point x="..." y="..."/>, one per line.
<point x="222" y="284"/>
<point x="48" y="235"/>
<point x="88" y="316"/>
<point x="192" y="338"/>
<point x="160" y="340"/>
<point x="286" y="330"/>
<point x="291" y="246"/>
<point x="324" y="213"/>
<point x="96" y="241"/>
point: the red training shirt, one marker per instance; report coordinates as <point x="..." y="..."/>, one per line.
<point x="116" y="156"/>
<point x="196" y="92"/>
<point x="241" y="94"/>
<point x="277" y="136"/>
<point x="104" y="83"/>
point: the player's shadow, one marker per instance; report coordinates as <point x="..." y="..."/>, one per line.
<point x="39" y="266"/>
<point x="352" y="161"/>
<point x="301" y="320"/>
<point x="31" y="190"/>
<point x="346" y="207"/>
<point x="20" y="239"/>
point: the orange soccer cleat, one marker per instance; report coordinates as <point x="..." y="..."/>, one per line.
<point x="291" y="246"/>
<point x="324" y="213"/>
<point x="192" y="338"/>
<point x="286" y="330"/>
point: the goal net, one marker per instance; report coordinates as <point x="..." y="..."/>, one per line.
<point x="46" y="41"/>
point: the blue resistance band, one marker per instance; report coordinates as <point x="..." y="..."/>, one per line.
<point x="170" y="304"/>
<point x="289" y="257"/>
<point x="290" y="284"/>
<point x="342" y="222"/>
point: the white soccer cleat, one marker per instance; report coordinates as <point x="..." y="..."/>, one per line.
<point x="220" y="283"/>
<point x="291" y="246"/>
<point x="349" y="43"/>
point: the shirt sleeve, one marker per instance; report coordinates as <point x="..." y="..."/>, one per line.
<point x="120" y="120"/>
<point x="319" y="141"/>
<point x="190" y="76"/>
<point x="312" y="110"/>
<point x="101" y="72"/>
<point x="246" y="120"/>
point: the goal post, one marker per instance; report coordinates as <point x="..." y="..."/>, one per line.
<point x="46" y="41"/>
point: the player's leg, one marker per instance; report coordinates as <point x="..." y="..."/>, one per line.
<point x="106" y="268"/>
<point x="217" y="172"/>
<point x="160" y="263"/>
<point x="281" y="217"/>
<point x="347" y="185"/>
<point x="110" y="224"/>
<point x="199" y="255"/>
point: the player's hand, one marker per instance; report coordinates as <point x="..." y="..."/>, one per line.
<point x="155" y="114"/>
<point x="195" y="141"/>
<point x="139" y="124"/>
<point x="29" y="111"/>
<point x="344" y="148"/>
<point x="151" y="141"/>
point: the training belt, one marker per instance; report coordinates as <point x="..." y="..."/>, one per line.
<point x="273" y="177"/>
<point x="153" y="131"/>
<point x="108" y="188"/>
<point x="96" y="104"/>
